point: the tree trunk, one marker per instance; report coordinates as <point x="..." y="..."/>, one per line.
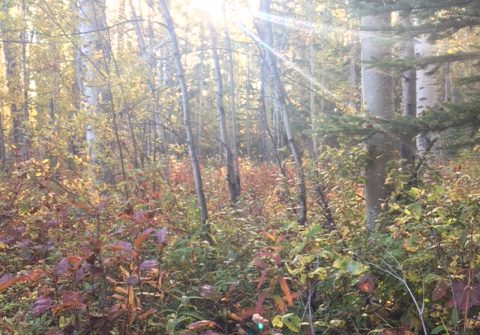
<point x="319" y="187"/>
<point x="377" y="99"/>
<point x="3" y="153"/>
<point x="262" y="110"/>
<point x="428" y="93"/>
<point x="233" y="186"/>
<point x="353" y="55"/>
<point x="90" y="68"/>
<point x="409" y="102"/>
<point x="233" y="110"/>
<point x="281" y="101"/>
<point x="26" y="83"/>
<point x="186" y="112"/>
<point x="148" y="56"/>
<point x="14" y="66"/>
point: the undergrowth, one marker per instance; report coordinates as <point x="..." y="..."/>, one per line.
<point x="76" y="257"/>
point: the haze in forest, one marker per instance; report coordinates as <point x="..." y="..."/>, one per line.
<point x="239" y="167"/>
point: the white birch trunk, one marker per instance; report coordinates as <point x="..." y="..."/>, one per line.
<point x="428" y="92"/>
<point x="90" y="66"/>
<point x="409" y="94"/>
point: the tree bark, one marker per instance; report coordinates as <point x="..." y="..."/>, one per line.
<point x="428" y="92"/>
<point x="186" y="112"/>
<point x="3" y="153"/>
<point x="26" y="83"/>
<point x="16" y="94"/>
<point x="377" y="99"/>
<point x="90" y="68"/>
<point x="233" y="182"/>
<point x="148" y="56"/>
<point x="233" y="110"/>
<point x="281" y="101"/>
<point x="409" y="102"/>
<point x="319" y="187"/>
<point x="262" y="110"/>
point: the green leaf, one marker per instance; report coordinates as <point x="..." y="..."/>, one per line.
<point x="292" y="321"/>
<point x="454" y="317"/>
<point x="320" y="273"/>
<point x="171" y="324"/>
<point x="414" y="192"/>
<point x="416" y="209"/>
<point x="350" y="266"/>
<point x="438" y="330"/>
<point x="432" y="278"/>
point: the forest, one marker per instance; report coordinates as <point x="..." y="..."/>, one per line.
<point x="208" y="167"/>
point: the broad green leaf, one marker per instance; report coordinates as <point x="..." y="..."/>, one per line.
<point x="438" y="330"/>
<point x="292" y="321"/>
<point x="350" y="266"/>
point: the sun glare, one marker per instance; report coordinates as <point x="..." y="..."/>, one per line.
<point x="211" y="8"/>
<point x="222" y="11"/>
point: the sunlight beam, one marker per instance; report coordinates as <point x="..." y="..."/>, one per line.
<point x="324" y="92"/>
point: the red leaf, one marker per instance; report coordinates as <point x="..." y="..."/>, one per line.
<point x="396" y="331"/>
<point x="146" y="314"/>
<point x="122" y="246"/>
<point x="202" y="324"/>
<point x="366" y="284"/>
<point x="280" y="304"/>
<point x="286" y="291"/>
<point x="262" y="278"/>
<point x="132" y="281"/>
<point x="246" y="313"/>
<point x="125" y="249"/>
<point x="269" y="236"/>
<point x="148" y="265"/>
<point x="260" y="301"/>
<point x="464" y="297"/>
<point x="140" y="216"/>
<point x="69" y="301"/>
<point x="440" y="291"/>
<point x="142" y="237"/>
<point x="260" y="264"/>
<point x="7" y="280"/>
<point x="74" y="261"/>
<point x="41" y="306"/>
<point x="61" y="267"/>
<point x="161" y="236"/>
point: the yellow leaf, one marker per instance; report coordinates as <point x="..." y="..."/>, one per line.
<point x="277" y="321"/>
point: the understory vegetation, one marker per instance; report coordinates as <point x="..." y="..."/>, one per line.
<point x="79" y="260"/>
